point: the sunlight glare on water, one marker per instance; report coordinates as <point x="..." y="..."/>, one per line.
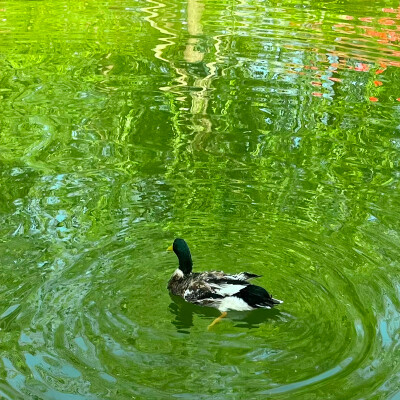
<point x="266" y="134"/>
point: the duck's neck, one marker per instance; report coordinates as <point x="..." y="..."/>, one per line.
<point x="185" y="263"/>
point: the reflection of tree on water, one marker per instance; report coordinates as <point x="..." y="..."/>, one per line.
<point x="184" y="311"/>
<point x="194" y="10"/>
<point x="195" y="54"/>
<point x="194" y="76"/>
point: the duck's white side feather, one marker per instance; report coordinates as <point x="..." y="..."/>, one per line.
<point x="227" y="289"/>
<point x="233" y="303"/>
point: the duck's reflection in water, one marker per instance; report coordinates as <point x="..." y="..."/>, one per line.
<point x="183" y="312"/>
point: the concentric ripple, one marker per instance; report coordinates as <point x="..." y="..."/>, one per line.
<point x="266" y="135"/>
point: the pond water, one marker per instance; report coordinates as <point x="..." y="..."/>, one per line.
<point x="267" y="134"/>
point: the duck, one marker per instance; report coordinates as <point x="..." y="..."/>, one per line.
<point x="225" y="292"/>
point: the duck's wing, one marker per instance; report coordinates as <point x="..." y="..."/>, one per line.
<point x="241" y="277"/>
<point x="238" y="294"/>
<point x="209" y="288"/>
<point x="202" y="293"/>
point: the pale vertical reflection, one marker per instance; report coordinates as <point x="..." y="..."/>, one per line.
<point x="200" y="98"/>
<point x="194" y="12"/>
<point x="200" y="86"/>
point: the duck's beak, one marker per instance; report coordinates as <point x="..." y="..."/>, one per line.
<point x="170" y="248"/>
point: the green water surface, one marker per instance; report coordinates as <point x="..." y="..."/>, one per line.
<point x="265" y="133"/>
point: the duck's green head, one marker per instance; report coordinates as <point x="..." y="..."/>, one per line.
<point x="181" y="249"/>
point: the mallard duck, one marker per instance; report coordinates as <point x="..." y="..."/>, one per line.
<point x="215" y="288"/>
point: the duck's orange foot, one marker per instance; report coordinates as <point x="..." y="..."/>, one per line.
<point x="216" y="320"/>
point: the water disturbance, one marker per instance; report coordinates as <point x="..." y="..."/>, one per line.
<point x="267" y="134"/>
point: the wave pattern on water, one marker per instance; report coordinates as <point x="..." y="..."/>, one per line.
<point x="266" y="134"/>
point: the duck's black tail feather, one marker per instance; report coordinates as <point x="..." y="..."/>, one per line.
<point x="249" y="275"/>
<point x="257" y="297"/>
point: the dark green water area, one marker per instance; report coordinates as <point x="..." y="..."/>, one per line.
<point x="265" y="133"/>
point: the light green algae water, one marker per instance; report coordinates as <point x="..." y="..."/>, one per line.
<point x="267" y="134"/>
